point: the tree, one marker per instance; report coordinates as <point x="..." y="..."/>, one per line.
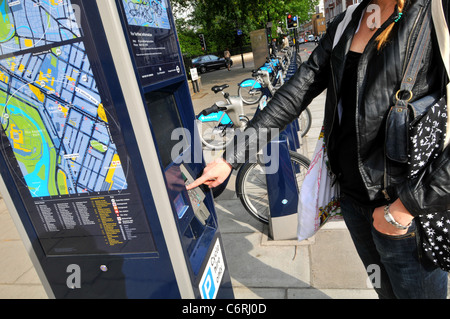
<point x="219" y="20"/>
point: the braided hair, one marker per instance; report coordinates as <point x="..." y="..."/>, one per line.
<point x="383" y="38"/>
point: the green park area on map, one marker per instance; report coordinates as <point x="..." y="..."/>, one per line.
<point x="50" y="107"/>
<point x="30" y="142"/>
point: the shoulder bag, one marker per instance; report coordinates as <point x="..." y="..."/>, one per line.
<point x="417" y="132"/>
<point x="434" y="229"/>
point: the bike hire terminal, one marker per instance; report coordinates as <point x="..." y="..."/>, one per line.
<point x="90" y="93"/>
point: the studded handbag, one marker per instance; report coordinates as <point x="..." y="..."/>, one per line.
<point x="434" y="228"/>
<point x="416" y="134"/>
<point x="428" y="136"/>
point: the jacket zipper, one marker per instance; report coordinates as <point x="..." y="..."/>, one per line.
<point x="384" y="191"/>
<point x="333" y="175"/>
<point x="336" y="103"/>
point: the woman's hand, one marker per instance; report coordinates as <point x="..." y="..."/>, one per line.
<point x="400" y="214"/>
<point x="214" y="174"/>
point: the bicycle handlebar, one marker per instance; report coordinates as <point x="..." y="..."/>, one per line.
<point x="213" y="109"/>
<point x="257" y="72"/>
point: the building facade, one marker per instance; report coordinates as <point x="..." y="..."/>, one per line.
<point x="319" y="25"/>
<point x="334" y="7"/>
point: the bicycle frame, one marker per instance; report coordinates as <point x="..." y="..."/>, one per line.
<point x="264" y="78"/>
<point x="261" y="83"/>
<point x="275" y="65"/>
<point x="250" y="83"/>
<point x="220" y="117"/>
<point x="232" y="115"/>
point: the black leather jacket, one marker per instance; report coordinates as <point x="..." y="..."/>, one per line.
<point x="379" y="76"/>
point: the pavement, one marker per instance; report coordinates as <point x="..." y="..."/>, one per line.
<point x="325" y="266"/>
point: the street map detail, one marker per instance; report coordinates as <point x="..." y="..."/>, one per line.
<point x="60" y="140"/>
<point x="50" y="107"/>
<point x="147" y="13"/>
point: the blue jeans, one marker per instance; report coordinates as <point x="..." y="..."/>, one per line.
<point x="393" y="263"/>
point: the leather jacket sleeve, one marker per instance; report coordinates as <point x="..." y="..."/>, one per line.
<point x="430" y="191"/>
<point x="311" y="78"/>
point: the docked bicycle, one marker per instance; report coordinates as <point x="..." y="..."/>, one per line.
<point x="217" y="127"/>
<point x="260" y="89"/>
<point x="217" y="124"/>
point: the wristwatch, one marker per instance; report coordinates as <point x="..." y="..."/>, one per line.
<point x="390" y="219"/>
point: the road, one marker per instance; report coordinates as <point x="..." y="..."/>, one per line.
<point x="206" y="98"/>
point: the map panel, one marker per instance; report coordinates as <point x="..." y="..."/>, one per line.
<point x="62" y="143"/>
<point x="147" y="13"/>
<point x="32" y="24"/>
<point x="51" y="109"/>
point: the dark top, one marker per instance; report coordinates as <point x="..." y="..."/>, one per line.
<point x="344" y="158"/>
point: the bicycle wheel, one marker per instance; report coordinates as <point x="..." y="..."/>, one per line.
<point x="251" y="186"/>
<point x="214" y="134"/>
<point x="249" y="94"/>
<point x="305" y="120"/>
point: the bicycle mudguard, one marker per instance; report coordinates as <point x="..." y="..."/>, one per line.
<point x="215" y="117"/>
<point x="250" y="83"/>
<point x="266" y="68"/>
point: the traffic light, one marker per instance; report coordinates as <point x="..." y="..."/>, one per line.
<point x="291" y="21"/>
<point x="202" y="41"/>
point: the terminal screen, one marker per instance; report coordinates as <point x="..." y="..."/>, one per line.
<point x="166" y="124"/>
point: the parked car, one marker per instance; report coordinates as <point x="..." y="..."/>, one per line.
<point x="208" y="62"/>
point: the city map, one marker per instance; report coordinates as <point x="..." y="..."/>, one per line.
<point x="147" y="13"/>
<point x="50" y="107"/>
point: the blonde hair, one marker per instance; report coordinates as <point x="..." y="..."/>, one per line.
<point x="383" y="38"/>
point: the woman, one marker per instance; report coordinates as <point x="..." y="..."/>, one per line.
<point x="362" y="73"/>
<point x="227" y="56"/>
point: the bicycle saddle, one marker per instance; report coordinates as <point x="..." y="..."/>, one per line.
<point x="218" y="88"/>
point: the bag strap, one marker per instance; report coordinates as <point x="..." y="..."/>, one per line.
<point x="443" y="37"/>
<point x="442" y="33"/>
<point x="415" y="61"/>
<point x="398" y="117"/>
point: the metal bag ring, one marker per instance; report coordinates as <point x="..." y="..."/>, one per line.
<point x="410" y="95"/>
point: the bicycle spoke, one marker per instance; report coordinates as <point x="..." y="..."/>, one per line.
<point x="215" y="135"/>
<point x="252" y="186"/>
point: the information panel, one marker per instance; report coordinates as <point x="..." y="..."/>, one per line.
<point x="153" y="40"/>
<point x="62" y="145"/>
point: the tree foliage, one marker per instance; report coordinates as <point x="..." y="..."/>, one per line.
<point x="219" y="20"/>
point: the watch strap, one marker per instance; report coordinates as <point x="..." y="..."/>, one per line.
<point x="391" y="220"/>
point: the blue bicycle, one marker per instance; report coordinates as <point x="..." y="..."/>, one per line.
<point x="260" y="89"/>
<point x="217" y="124"/>
<point x="270" y="77"/>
